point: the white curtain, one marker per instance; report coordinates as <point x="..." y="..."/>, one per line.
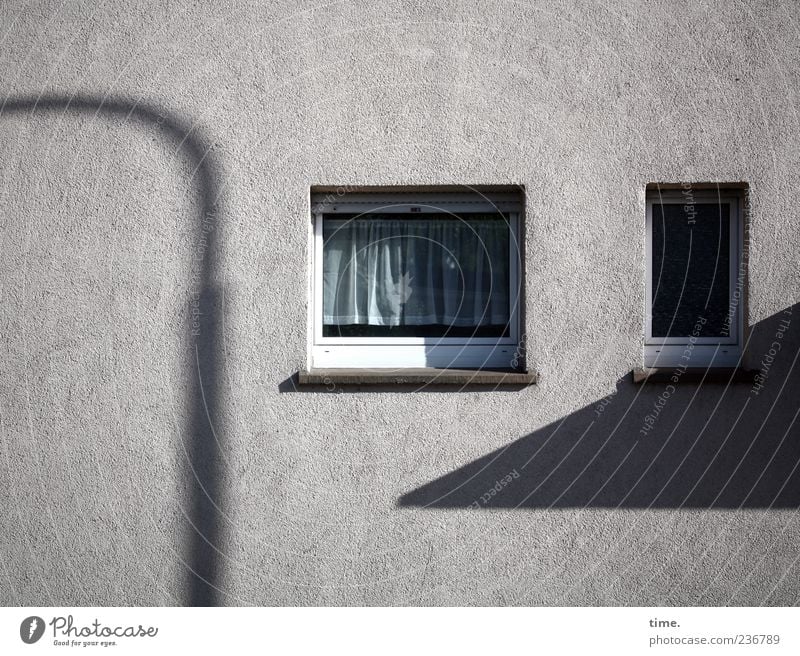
<point x="382" y="270"/>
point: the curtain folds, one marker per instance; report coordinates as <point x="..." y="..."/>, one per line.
<point x="385" y="270"/>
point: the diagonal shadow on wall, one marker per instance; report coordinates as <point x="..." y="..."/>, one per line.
<point x="203" y="441"/>
<point x="708" y="446"/>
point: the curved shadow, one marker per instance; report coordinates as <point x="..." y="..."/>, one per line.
<point x="203" y="326"/>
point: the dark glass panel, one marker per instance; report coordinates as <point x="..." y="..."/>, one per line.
<point x="416" y="275"/>
<point x="691" y="269"/>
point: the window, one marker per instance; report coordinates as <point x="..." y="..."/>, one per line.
<point x="416" y="280"/>
<point x="694" y="278"/>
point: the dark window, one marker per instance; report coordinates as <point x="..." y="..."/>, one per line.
<point x="690" y="269"/>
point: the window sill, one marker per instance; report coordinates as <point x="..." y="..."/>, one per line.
<point x="694" y="375"/>
<point x="460" y="377"/>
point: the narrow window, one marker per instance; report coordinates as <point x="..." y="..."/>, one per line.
<point x="694" y="279"/>
<point x="416" y="280"/>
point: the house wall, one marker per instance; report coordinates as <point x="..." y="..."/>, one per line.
<point x="176" y="190"/>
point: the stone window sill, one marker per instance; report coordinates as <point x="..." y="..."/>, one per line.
<point x="457" y="377"/>
<point x="694" y="375"/>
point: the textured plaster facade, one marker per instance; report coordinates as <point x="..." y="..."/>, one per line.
<point x="112" y="220"/>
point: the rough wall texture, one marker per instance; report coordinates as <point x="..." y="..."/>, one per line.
<point x="334" y="497"/>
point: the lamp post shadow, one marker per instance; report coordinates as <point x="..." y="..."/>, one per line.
<point x="203" y="442"/>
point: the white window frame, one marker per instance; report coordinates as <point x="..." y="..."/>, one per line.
<point x="697" y="351"/>
<point x="417" y="352"/>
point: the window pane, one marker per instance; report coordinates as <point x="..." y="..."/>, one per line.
<point x="691" y="269"/>
<point x="423" y="275"/>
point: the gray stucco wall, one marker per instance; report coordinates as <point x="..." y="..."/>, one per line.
<point x="229" y="114"/>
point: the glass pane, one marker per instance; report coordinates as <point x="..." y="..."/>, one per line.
<point x="691" y="270"/>
<point x="421" y="275"/>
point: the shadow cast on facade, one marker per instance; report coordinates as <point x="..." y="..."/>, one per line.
<point x="203" y="441"/>
<point x="654" y="445"/>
